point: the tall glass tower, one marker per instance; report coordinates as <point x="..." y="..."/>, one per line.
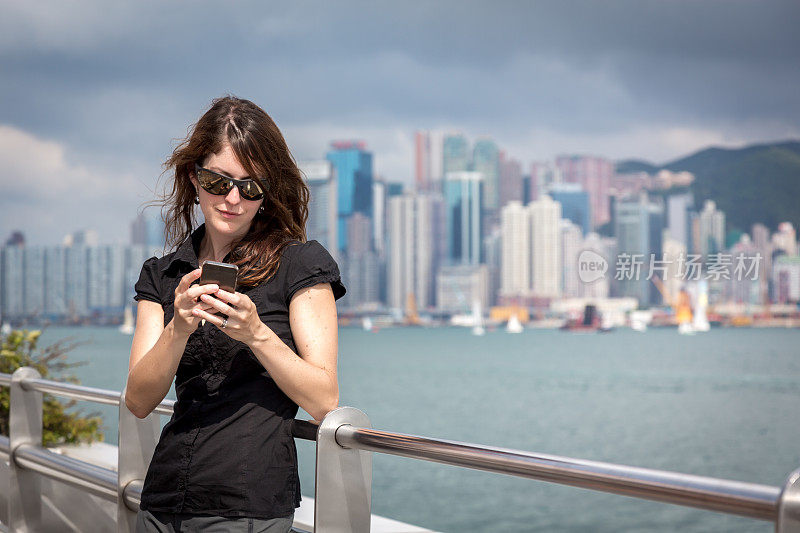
<point x="463" y="196"/>
<point x="353" y="166"/>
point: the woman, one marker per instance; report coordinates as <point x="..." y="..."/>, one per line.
<point x="242" y="361"/>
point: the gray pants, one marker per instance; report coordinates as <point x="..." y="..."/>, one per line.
<point x="155" y="522"/>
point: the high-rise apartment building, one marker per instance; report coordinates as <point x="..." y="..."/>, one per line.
<point x="545" y="219"/>
<point x="412" y="223"/>
<point x="515" y="279"/>
<point x="511" y="180"/>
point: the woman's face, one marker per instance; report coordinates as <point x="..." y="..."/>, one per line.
<point x="227" y="214"/>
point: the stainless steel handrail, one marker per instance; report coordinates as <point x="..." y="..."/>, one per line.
<point x="80" y="392"/>
<point x="94" y="479"/>
<point x="733" y="497"/>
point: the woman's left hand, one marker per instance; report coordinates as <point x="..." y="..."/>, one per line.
<point x="242" y="323"/>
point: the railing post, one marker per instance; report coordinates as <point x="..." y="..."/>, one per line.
<point x="344" y="477"/>
<point x="789" y="505"/>
<point x="25" y="427"/>
<point x="137" y="442"/>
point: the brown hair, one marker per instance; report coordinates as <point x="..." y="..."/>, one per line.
<point x="262" y="151"/>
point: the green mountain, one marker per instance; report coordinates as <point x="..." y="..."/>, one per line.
<point x="758" y="183"/>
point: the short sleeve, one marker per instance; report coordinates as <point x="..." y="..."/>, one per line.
<point x="311" y="264"/>
<point x="147" y="288"/>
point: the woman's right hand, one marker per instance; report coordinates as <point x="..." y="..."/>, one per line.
<point x="187" y="299"/>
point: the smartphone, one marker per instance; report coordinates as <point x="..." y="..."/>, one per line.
<point x="223" y="274"/>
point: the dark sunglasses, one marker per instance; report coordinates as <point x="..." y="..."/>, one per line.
<point x="219" y="184"/>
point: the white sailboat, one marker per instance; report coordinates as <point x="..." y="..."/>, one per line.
<point x="366" y="323"/>
<point x="700" y="321"/>
<point x="514" y="325"/>
<point x="127" y="322"/>
<point x="477" y="319"/>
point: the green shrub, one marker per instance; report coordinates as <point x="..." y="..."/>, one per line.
<point x="19" y="348"/>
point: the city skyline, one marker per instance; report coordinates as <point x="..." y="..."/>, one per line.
<point x="100" y="92"/>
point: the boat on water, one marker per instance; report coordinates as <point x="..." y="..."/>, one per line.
<point x="590" y="322"/>
<point x="514" y="325"/>
<point x="640" y="319"/>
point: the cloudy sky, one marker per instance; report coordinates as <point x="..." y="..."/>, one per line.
<point x="94" y="93"/>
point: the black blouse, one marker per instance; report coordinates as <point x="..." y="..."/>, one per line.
<point x="228" y="448"/>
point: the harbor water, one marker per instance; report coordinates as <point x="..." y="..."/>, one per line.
<point x="722" y="404"/>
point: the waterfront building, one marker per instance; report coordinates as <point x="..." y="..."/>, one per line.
<point x="362" y="266"/>
<point x="594" y="175"/>
<point x="571" y="247"/>
<point x="639" y="225"/>
<point x="516" y="250"/>
<point x="711" y="230"/>
<point x="605" y="247"/>
<point x="678" y="208"/>
<point x="379" y="217"/>
<point x="463" y="196"/>
<point x="12" y="302"/>
<point x="574" y="204"/>
<point x="55" y="281"/>
<point x="33" y="278"/>
<point x="750" y="288"/>
<point x="97" y="277"/>
<point x="77" y="293"/>
<point x="320" y="176"/>
<point x="353" y="167"/>
<point x="413" y="228"/>
<point x="786" y="278"/>
<point x="493" y="251"/>
<point x="545" y="218"/>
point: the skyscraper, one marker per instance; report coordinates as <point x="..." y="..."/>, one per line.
<point x="571" y="246"/>
<point x="12" y="303"/>
<point x="34" y="280"/>
<point x="455" y="154"/>
<point x="515" y="280"/>
<point x="486" y="160"/>
<point x="412" y="257"/>
<point x="594" y="174"/>
<point x="323" y="205"/>
<point x="428" y="162"/>
<point x="639" y="225"/>
<point x="545" y="217"/>
<point x="511" y="184"/>
<point x="353" y="165"/>
<point x="678" y="208"/>
<point x="711" y="229"/>
<point x="463" y="197"/>
<point x="574" y="204"/>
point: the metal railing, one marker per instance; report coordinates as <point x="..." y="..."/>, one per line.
<point x="345" y="442"/>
